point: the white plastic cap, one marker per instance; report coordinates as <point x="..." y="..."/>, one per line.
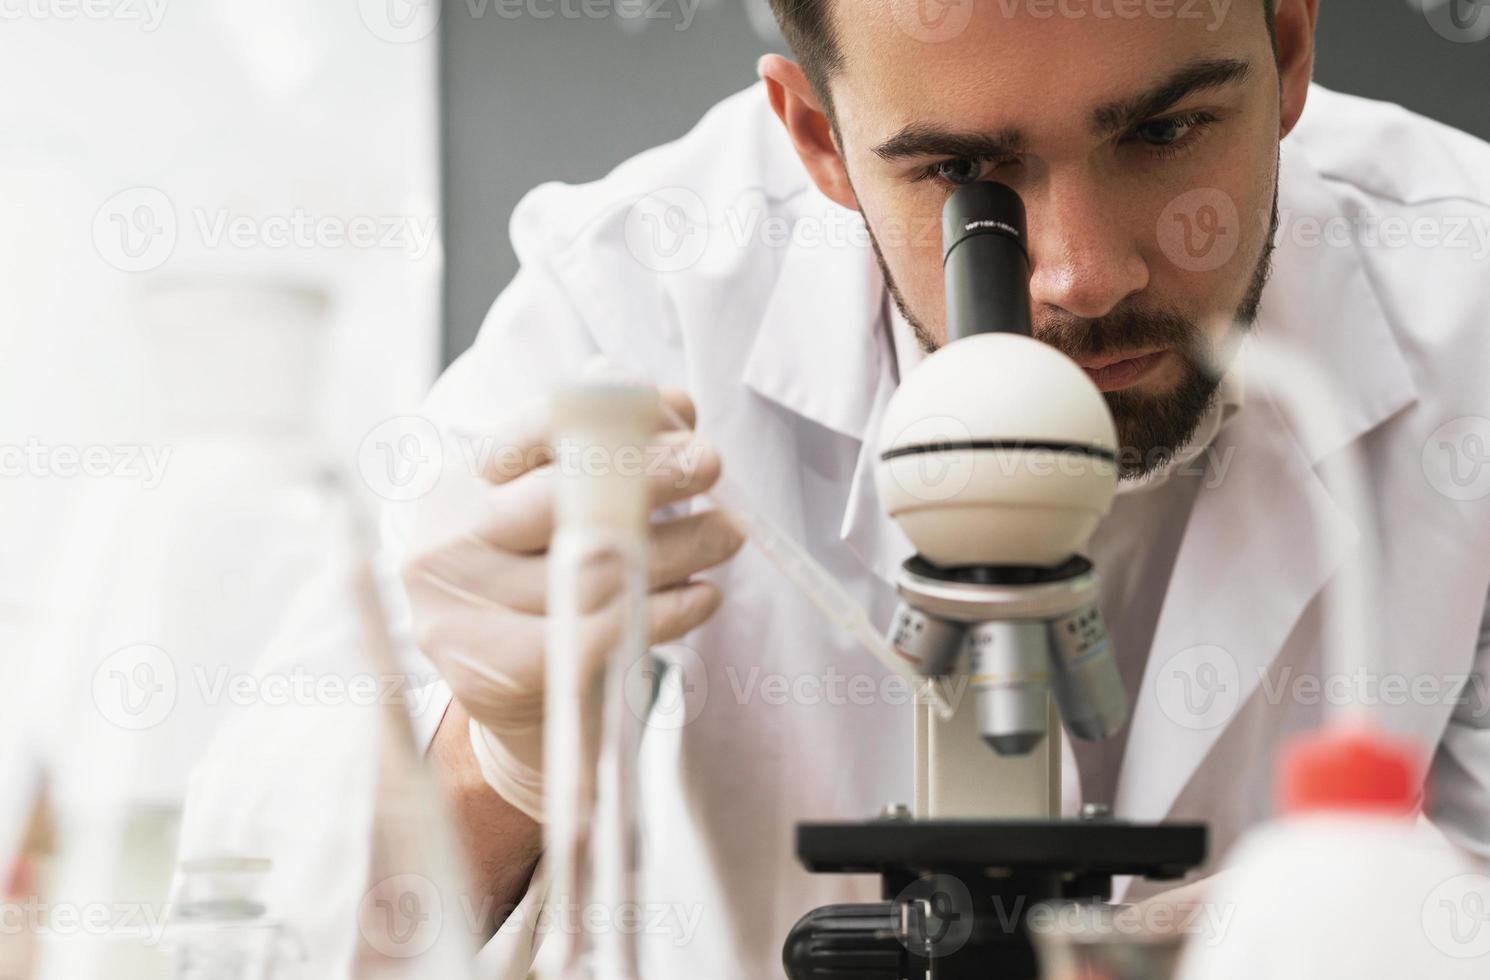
<point x="602" y="429"/>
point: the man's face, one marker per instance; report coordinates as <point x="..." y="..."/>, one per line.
<point x="1145" y="149"/>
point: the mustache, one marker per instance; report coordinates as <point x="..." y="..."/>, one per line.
<point x="1128" y="327"/>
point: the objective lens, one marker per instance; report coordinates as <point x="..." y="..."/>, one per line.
<point x="932" y="644"/>
<point x="1086" y="681"/>
<point x="1010" y="678"/>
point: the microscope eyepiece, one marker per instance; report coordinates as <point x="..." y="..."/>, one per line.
<point x="982" y="208"/>
<point x="986" y="262"/>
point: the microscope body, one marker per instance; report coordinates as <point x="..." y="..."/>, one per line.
<point x="999" y="460"/>
<point x="1018" y="650"/>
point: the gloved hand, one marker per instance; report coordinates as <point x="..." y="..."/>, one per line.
<point x="477" y="580"/>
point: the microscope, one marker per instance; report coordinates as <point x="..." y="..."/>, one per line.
<point x="999" y="460"/>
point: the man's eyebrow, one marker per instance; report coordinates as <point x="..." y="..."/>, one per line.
<point x="921" y="140"/>
<point x="1198" y="76"/>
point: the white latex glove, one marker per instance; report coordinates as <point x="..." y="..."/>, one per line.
<point x="1181" y="913"/>
<point x="477" y="580"/>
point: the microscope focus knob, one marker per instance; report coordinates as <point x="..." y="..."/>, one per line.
<point x="845" y="942"/>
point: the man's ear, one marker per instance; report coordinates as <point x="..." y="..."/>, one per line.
<point x="797" y="107"/>
<point x="1295" y="20"/>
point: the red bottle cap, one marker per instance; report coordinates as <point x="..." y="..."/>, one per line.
<point x="20" y="883"/>
<point x="1354" y="769"/>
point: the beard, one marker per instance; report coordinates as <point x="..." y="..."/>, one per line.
<point x="1151" y="428"/>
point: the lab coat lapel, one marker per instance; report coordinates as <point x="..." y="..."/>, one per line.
<point x="823" y="352"/>
<point x="816" y="352"/>
<point x="1263" y="541"/>
<point x="1258" y="547"/>
<point x="877" y="540"/>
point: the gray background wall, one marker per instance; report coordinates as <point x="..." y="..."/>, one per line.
<point x="527" y="99"/>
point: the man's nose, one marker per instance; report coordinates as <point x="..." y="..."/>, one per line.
<point x="1084" y="259"/>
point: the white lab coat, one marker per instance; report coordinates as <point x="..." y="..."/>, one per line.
<point x="785" y="348"/>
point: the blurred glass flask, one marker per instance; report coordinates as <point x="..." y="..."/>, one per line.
<point x="184" y="586"/>
<point x="225" y="374"/>
<point x="220" y="927"/>
<point x="598" y="629"/>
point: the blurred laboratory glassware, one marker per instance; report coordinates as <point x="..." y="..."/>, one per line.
<point x="20" y="877"/>
<point x="181" y="586"/>
<point x="158" y="566"/>
<point x="220" y="927"/>
<point x="598" y="628"/>
<point x="416" y="886"/>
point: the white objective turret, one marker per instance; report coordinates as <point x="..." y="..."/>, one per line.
<point x="997" y="450"/>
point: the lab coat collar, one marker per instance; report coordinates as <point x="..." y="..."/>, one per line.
<point x="1322" y="306"/>
<point x="1261" y="544"/>
<point x="873" y="537"/>
<point x="818" y="351"/>
<point x="824" y="352"/>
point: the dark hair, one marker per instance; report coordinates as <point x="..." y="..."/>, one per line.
<point x="808" y="27"/>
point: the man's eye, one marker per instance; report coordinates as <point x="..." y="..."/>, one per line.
<point x="956" y="172"/>
<point x="1171" y="131"/>
<point x="959" y="171"/>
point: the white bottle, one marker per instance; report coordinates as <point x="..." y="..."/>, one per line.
<point x="1350" y="881"/>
